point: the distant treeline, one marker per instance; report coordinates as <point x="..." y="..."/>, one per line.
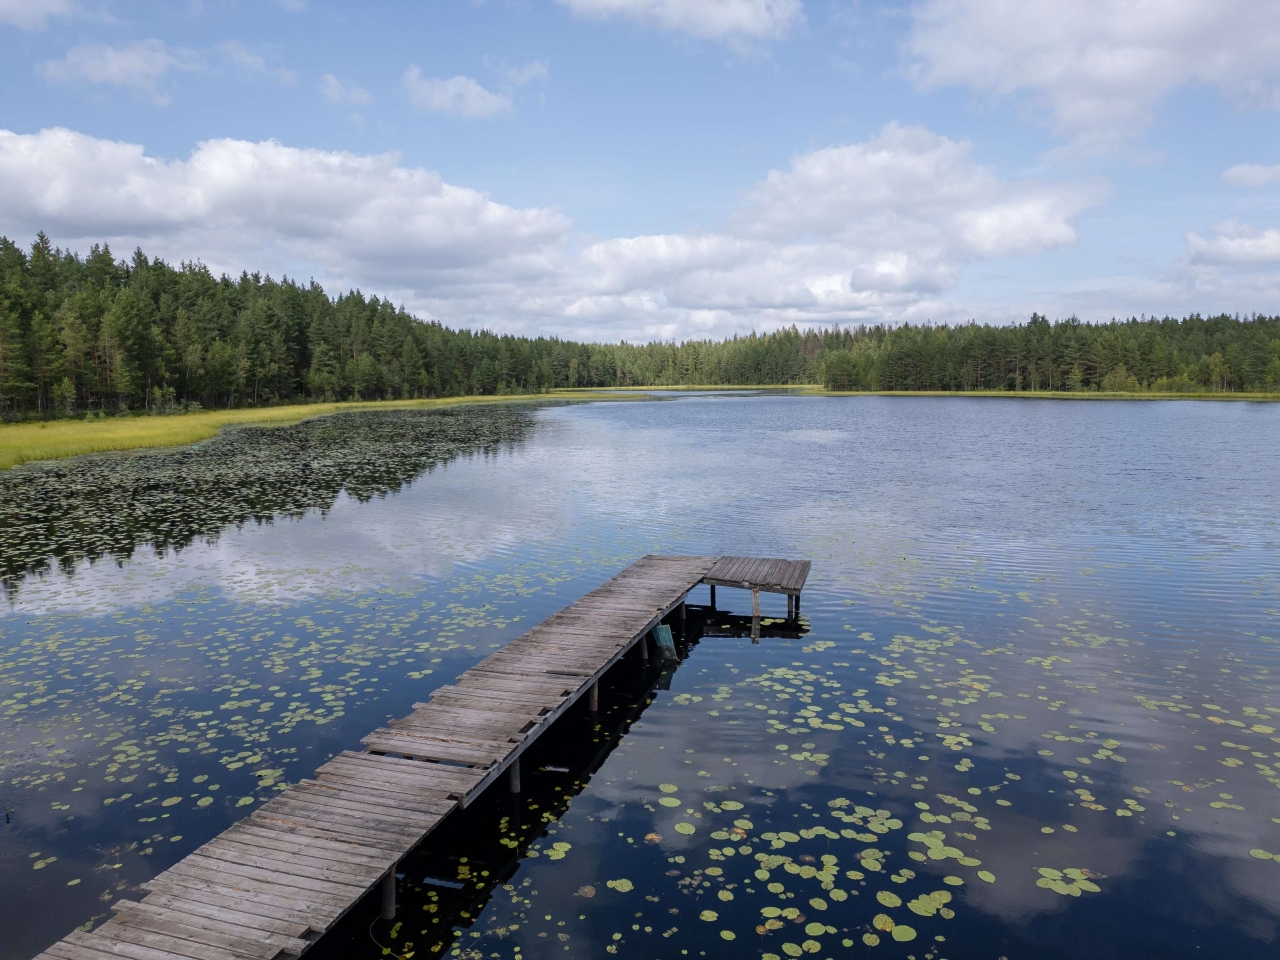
<point x="92" y="334"/>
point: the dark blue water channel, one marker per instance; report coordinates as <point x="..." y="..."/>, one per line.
<point x="1035" y="714"/>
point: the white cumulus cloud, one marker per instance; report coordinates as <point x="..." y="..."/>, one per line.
<point x="335" y="91"/>
<point x="140" y="65"/>
<point x="456" y="96"/>
<point x="1235" y="244"/>
<point x="870" y="231"/>
<point x="875" y="231"/>
<point x="1099" y="68"/>
<point x="359" y="219"/>
<point x="705" y="19"/>
<point x="1251" y="174"/>
<point x="519" y="76"/>
<point x="33" y="14"/>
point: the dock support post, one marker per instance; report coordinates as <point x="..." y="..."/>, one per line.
<point x="713" y="596"/>
<point x="644" y="648"/>
<point x="593" y="698"/>
<point x="797" y="606"/>
<point x="791" y="604"/>
<point x="755" y="616"/>
<point x="389" y="895"/>
<point x="684" y="632"/>
<point x="513" y="775"/>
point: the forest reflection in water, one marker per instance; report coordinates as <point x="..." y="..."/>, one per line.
<point x="67" y="512"/>
<point x="1035" y="714"/>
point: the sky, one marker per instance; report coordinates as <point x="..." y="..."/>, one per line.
<point x="665" y="169"/>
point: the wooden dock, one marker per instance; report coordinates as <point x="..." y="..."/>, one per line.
<point x="276" y="881"/>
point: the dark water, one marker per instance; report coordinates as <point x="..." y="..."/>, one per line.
<point x="1035" y="714"/>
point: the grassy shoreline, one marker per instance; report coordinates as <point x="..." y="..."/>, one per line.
<point x="59" y="439"/>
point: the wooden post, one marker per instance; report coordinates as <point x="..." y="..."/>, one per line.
<point x="389" y="895"/>
<point x="790" y="607"/>
<point x="713" y="596"/>
<point x="644" y="648"/>
<point x="593" y="698"/>
<point x="513" y="775"/>
<point x="797" y="606"/>
<point x="755" y="616"/>
<point x="684" y="632"/>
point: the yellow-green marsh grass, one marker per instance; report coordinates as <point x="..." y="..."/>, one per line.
<point x="56" y="439"/>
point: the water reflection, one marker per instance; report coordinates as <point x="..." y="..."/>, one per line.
<point x="1061" y="615"/>
<point x="65" y="513"/>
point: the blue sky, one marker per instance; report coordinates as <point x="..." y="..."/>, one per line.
<point x="666" y="168"/>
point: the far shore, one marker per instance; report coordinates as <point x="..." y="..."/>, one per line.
<point x="31" y="441"/>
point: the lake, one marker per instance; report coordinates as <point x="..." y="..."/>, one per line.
<point x="1034" y="713"/>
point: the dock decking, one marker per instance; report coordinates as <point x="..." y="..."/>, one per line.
<point x="274" y="882"/>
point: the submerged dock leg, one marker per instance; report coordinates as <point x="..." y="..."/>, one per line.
<point x="791" y="604"/>
<point x="713" y="596"/>
<point x="389" y="895"/>
<point x="593" y="698"/>
<point x="755" y="616"/>
<point x="797" y="606"/>
<point x="513" y="775"/>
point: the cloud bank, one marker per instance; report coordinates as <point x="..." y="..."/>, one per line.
<point x="1099" y="68"/>
<point x="704" y="19"/>
<point x="872" y="231"/>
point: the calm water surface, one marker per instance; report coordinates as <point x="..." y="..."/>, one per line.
<point x="1035" y="714"/>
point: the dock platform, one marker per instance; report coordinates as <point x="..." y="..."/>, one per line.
<point x="273" y="883"/>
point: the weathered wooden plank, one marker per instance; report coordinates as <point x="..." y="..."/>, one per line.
<point x="337" y="815"/>
<point x="427" y="749"/>
<point x="312" y="846"/>
<point x="408" y="771"/>
<point x="439" y="785"/>
<point x="335" y="890"/>
<point x="374" y="801"/>
<point x="392" y="790"/>
<point x="125" y="941"/>
<point x="349" y="872"/>
<point x="269" y="908"/>
<point x="265" y="928"/>
<point x="308" y="820"/>
<point x="184" y="880"/>
<point x="209" y="933"/>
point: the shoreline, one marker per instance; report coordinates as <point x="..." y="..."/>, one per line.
<point x="35" y="441"/>
<point x="43" y="440"/>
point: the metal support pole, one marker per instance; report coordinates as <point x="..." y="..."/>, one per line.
<point x="593" y="698"/>
<point x="389" y="895"/>
<point x="513" y="775"/>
